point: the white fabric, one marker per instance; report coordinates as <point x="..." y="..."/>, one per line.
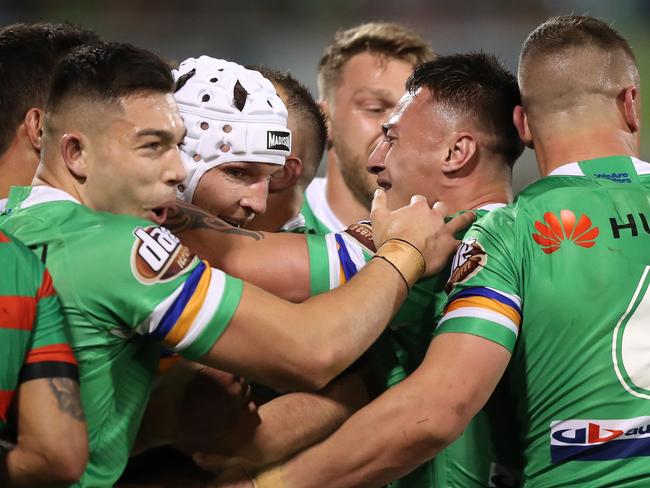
<point x="573" y="169"/>
<point x="317" y="199"/>
<point x="217" y="131"/>
<point x="44" y="194"/>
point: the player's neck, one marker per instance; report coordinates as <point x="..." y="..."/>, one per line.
<point x="17" y="164"/>
<point x="477" y="190"/>
<point x="280" y="208"/>
<point x="339" y="197"/>
<point x="561" y="147"/>
<point x="64" y="182"/>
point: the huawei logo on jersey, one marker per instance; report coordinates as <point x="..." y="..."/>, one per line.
<point x="553" y="231"/>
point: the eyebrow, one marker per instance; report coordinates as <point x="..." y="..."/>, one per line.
<point x="377" y="92"/>
<point x="165" y="135"/>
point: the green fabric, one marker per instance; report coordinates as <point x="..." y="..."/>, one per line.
<point x="22" y="305"/>
<point x="105" y="299"/>
<point x="578" y="373"/>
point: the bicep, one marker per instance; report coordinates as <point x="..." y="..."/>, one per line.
<point x="262" y="341"/>
<point x="458" y="374"/>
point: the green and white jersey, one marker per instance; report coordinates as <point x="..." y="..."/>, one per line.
<point x="318" y="215"/>
<point x="127" y="287"/>
<point x="560" y="279"/>
<point x="477" y="459"/>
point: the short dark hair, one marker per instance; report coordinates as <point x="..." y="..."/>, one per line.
<point x="478" y="86"/>
<point x="300" y="100"/>
<point x="107" y="71"/>
<point x="559" y="33"/>
<point x="28" y="55"/>
<point x="383" y="38"/>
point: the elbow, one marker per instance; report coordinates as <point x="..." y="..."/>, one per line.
<point x="324" y="366"/>
<point x="433" y="439"/>
<point x="312" y="371"/>
<point x="67" y="465"/>
<point x="67" y="469"/>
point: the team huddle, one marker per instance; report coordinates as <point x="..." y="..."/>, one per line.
<point x="174" y="275"/>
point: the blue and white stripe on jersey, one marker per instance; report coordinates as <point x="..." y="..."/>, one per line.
<point x="182" y="317"/>
<point x="346" y="257"/>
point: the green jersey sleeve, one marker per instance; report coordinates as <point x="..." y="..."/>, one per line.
<point x="484" y="295"/>
<point x="336" y="258"/>
<point x="155" y="286"/>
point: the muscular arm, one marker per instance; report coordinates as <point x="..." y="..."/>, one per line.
<point x="52" y="443"/>
<point x="276" y="262"/>
<point x="291" y="423"/>
<point x="408" y="424"/>
<point x="304" y="346"/>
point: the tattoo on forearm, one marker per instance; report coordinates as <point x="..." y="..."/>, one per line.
<point x="189" y="217"/>
<point x="67" y="395"/>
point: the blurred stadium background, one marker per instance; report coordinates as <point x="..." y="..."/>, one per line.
<point x="290" y="34"/>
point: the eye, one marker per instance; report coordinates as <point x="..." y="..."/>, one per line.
<point x="153" y="146"/>
<point x="235" y="172"/>
<point x="375" y="109"/>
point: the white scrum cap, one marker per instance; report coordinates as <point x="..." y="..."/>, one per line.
<point x="231" y="114"/>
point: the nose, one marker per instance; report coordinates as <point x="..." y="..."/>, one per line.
<point x="375" y="164"/>
<point x="255" y="199"/>
<point x="175" y="171"/>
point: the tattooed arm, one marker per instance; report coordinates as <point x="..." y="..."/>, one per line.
<point x="52" y="443"/>
<point x="276" y="262"/>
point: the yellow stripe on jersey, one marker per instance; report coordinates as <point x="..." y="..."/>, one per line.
<point x="487" y="304"/>
<point x="191" y="310"/>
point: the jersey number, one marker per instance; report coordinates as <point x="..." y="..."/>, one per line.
<point x="631" y="342"/>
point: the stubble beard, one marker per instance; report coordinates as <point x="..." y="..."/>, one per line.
<point x="353" y="170"/>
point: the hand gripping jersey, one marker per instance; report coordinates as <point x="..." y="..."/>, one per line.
<point x="560" y="279"/>
<point x="126" y="286"/>
<point x="480" y="457"/>
<point x="33" y="341"/>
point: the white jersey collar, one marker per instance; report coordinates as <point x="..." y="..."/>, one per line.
<point x="46" y="194"/>
<point x="316" y="196"/>
<point x="573" y="169"/>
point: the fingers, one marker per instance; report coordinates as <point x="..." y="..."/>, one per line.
<point x="418" y="198"/>
<point x="440" y="207"/>
<point x="378" y="206"/>
<point x="461" y="222"/>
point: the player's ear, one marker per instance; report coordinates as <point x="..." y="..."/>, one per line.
<point x="34" y="127"/>
<point x="288" y="176"/>
<point x="630" y="102"/>
<point x="461" y="150"/>
<point x="74" y="154"/>
<point x="520" y="119"/>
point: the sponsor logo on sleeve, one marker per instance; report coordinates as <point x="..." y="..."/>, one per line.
<point x="158" y="255"/>
<point x="599" y="440"/>
<point x="278" y="140"/>
<point x="468" y="261"/>
<point x="555" y="232"/>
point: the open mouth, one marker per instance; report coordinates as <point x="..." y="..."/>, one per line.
<point x="158" y="215"/>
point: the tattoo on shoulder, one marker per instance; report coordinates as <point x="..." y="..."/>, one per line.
<point x="66" y="391"/>
<point x="189" y="217"/>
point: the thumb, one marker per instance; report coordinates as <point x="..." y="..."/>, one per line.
<point x="378" y="207"/>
